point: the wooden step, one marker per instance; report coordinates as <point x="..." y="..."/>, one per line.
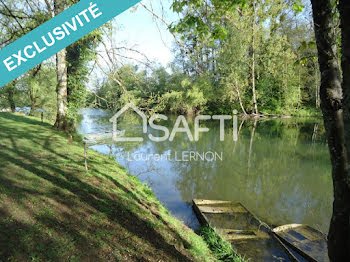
<point x="222" y="209"/>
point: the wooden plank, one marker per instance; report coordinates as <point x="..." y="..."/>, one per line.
<point x="200" y="202"/>
<point x="239" y="237"/>
<point x="222" y="209"/>
<point x="286" y="227"/>
<point x="237" y="231"/>
<point x="201" y="217"/>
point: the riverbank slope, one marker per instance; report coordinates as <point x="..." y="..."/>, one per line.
<point x="52" y="210"/>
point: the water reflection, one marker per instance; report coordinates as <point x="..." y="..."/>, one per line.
<point x="278" y="168"/>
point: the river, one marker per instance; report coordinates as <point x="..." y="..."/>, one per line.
<point x="278" y="168"/>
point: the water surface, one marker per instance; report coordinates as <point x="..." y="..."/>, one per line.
<point x="279" y="168"/>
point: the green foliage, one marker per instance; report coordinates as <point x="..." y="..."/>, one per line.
<point x="189" y="100"/>
<point x="224" y="40"/>
<point x="159" y="92"/>
<point x="41" y="90"/>
<point x="79" y="54"/>
<point x="298" y="7"/>
<point x="212" y="74"/>
<point x="196" y="22"/>
<point x="35" y="92"/>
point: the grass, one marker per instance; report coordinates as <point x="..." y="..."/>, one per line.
<point x="221" y="249"/>
<point x="52" y="210"/>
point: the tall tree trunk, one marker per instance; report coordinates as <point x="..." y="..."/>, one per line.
<point x="32" y="97"/>
<point x="253" y="60"/>
<point x="62" y="78"/>
<point x="32" y="92"/>
<point x="299" y="87"/>
<point x="344" y="211"/>
<point x="331" y="105"/>
<point x="317" y="86"/>
<point x="344" y="9"/>
<point x="32" y="101"/>
<point x="10" y="96"/>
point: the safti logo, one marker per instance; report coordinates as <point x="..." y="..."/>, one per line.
<point x="180" y="126"/>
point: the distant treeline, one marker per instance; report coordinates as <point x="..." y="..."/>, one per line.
<point x="258" y="58"/>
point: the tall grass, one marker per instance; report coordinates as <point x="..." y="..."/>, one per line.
<point x="220" y="248"/>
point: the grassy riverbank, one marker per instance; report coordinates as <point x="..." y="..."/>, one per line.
<point x="52" y="210"/>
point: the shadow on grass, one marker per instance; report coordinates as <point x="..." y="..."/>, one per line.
<point x="26" y="239"/>
<point x="138" y="200"/>
<point x="25" y="120"/>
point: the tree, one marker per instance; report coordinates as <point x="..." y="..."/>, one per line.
<point x="71" y="63"/>
<point x="253" y="56"/>
<point x="79" y="54"/>
<point x="62" y="78"/>
<point x="335" y="104"/>
<point x="253" y="49"/>
<point x="10" y="90"/>
<point x="32" y="90"/>
<point x="40" y="89"/>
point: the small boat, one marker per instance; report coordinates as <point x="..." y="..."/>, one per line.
<point x="305" y="240"/>
<point x="249" y="237"/>
<point x="255" y="240"/>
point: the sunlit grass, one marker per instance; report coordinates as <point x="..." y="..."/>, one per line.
<point x="51" y="209"/>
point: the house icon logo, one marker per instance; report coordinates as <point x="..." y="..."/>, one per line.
<point x="115" y="127"/>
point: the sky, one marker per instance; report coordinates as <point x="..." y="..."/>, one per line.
<point x="137" y="28"/>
